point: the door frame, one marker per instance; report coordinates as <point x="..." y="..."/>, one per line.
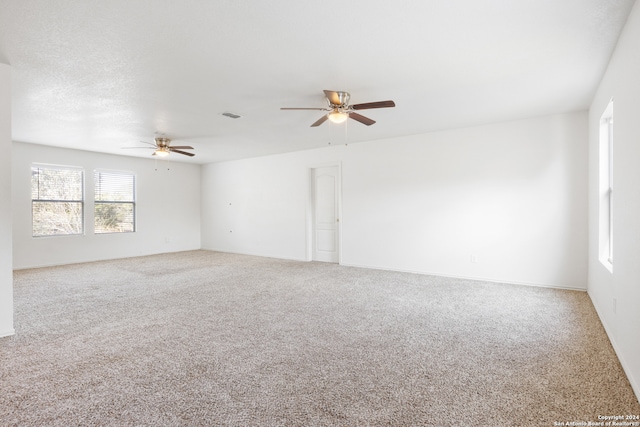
<point x="311" y="204"/>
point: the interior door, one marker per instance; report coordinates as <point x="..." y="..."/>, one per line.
<point x="325" y="214"/>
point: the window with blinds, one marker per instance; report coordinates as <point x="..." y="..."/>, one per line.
<point x="115" y="207"/>
<point x="57" y="200"/>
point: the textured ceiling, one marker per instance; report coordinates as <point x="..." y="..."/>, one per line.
<point x="104" y="75"/>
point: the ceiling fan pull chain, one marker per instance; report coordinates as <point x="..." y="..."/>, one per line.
<point x="346" y="133"/>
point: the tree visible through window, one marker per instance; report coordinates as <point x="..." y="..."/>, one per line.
<point x="114" y="202"/>
<point x="57" y="200"/>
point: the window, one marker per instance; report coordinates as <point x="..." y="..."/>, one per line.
<point x="115" y="208"/>
<point x="606" y="188"/>
<point x="57" y="200"/>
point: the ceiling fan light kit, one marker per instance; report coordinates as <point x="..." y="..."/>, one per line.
<point x="339" y="109"/>
<point x="338" y="116"/>
<point x="161" y="152"/>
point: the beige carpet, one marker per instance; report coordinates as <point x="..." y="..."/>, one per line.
<point x="206" y="338"/>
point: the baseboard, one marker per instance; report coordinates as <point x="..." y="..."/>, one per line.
<point x="479" y="279"/>
<point x="426" y="273"/>
<point x="60" y="264"/>
<point x="7" y="333"/>
<point x="256" y="254"/>
<point x="625" y="367"/>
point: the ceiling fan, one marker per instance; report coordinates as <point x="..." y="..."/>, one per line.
<point x="340" y="110"/>
<point x="163" y="147"/>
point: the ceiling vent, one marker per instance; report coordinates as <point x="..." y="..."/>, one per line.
<point x="233" y="116"/>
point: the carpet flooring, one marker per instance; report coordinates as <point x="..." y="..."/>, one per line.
<point x="205" y="338"/>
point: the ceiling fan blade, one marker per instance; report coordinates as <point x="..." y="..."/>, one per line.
<point x="302" y="108"/>
<point x="138" y="148"/>
<point x="370" y="105"/>
<point x="179" y="147"/>
<point x="181" y="152"/>
<point x="333" y="97"/>
<point x="150" y="143"/>
<point x="362" y="119"/>
<point x="320" y="121"/>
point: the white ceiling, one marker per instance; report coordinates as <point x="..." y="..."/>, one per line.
<point x="102" y="75"/>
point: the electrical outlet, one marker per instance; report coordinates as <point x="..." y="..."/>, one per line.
<point x="474" y="259"/>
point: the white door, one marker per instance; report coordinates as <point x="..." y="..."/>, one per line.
<point x="325" y="214"/>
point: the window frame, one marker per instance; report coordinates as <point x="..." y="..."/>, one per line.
<point x="606" y="188"/>
<point x="37" y="167"/>
<point x="100" y="201"/>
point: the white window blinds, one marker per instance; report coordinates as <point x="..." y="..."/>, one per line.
<point x="114" y="202"/>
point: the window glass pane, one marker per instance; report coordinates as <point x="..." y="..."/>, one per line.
<point x="114" y="217"/>
<point x="48" y="183"/>
<point x="55" y="218"/>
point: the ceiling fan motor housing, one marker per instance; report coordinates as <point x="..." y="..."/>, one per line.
<point x="162" y="142"/>
<point x="342" y="98"/>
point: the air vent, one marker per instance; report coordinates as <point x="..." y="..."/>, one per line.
<point x="233" y="116"/>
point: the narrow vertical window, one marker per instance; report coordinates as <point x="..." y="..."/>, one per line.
<point x="606" y="188"/>
<point x="57" y="200"/>
<point x="115" y="204"/>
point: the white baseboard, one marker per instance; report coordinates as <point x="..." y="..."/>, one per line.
<point x="480" y="279"/>
<point x="256" y="254"/>
<point x="426" y="273"/>
<point x="60" y="264"/>
<point x="7" y="333"/>
<point x="625" y="366"/>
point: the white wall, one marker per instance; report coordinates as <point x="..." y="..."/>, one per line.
<point x="168" y="209"/>
<point x="6" y="274"/>
<point x="622" y="83"/>
<point x="514" y="194"/>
